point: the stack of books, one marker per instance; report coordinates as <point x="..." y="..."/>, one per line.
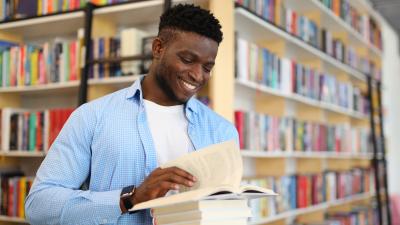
<point x="203" y="212"/>
<point x="217" y="196"/>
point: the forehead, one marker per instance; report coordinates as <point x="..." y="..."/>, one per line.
<point x="193" y="42"/>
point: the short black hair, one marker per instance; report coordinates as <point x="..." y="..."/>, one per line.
<point x="191" y="18"/>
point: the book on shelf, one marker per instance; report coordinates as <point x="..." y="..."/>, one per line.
<point x="31" y="130"/>
<point x="130" y="42"/>
<point x="319" y="37"/>
<point x="17" y="9"/>
<point x="272" y="11"/>
<point x="305" y="190"/>
<point x="259" y="65"/>
<point x="147" y="45"/>
<point x="61" y="59"/>
<point x="33" y="64"/>
<point x="14" y="187"/>
<point x="262" y="132"/>
<point x="218" y="169"/>
<point x="359" y="215"/>
<point x="358" y="20"/>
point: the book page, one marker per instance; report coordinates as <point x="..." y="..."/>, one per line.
<point x="188" y="196"/>
<point x="251" y="191"/>
<point x="210" y="193"/>
<point x="214" y="166"/>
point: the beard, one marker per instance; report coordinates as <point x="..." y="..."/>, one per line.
<point x="165" y="86"/>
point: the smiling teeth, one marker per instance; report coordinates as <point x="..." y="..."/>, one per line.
<point x="189" y="86"/>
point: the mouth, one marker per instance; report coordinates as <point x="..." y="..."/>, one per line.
<point x="189" y="87"/>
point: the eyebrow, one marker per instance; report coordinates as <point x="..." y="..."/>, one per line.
<point x="192" y="54"/>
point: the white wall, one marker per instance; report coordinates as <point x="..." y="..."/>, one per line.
<point x="391" y="101"/>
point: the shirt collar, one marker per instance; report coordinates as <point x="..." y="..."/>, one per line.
<point x="135" y="91"/>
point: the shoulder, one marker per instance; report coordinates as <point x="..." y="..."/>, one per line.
<point x="214" y="121"/>
<point x="93" y="110"/>
<point x="106" y="101"/>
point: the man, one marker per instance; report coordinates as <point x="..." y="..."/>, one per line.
<point x="119" y="140"/>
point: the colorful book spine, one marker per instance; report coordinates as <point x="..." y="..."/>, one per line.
<point x="28" y="130"/>
<point x="260" y="132"/>
<point x="320" y="37"/>
<point x="13" y="191"/>
<point x="259" y="65"/>
<point x="306" y="190"/>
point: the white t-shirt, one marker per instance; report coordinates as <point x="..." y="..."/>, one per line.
<point x="168" y="127"/>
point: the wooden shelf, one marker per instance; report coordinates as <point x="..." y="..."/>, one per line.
<point x="306" y="155"/>
<point x="299" y="99"/>
<point x="69" y="87"/>
<point x="22" y="154"/>
<point x="58" y="24"/>
<point x="68" y="23"/>
<point x="255" y="27"/>
<point x="53" y="88"/>
<point x="12" y="219"/>
<point x="311" y="209"/>
<point x="113" y="80"/>
<point x="123" y="14"/>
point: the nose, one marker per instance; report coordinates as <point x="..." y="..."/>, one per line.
<point x="196" y="73"/>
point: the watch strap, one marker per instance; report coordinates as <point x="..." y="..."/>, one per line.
<point x="126" y="196"/>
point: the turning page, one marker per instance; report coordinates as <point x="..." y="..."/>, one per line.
<point x="214" y="166"/>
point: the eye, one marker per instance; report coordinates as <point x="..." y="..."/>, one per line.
<point x="186" y="60"/>
<point x="206" y="69"/>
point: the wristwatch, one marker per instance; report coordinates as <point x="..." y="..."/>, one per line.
<point x="126" y="196"/>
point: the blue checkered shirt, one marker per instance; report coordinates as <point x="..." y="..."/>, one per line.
<point x="108" y="140"/>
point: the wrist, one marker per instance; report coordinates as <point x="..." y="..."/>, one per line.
<point x="127" y="198"/>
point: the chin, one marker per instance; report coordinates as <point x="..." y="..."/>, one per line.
<point x="183" y="100"/>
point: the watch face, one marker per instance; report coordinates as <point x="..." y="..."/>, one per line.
<point x="126" y="194"/>
<point x="128" y="191"/>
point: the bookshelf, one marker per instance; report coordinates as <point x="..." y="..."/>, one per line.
<point x="6" y="219"/>
<point x="30" y="28"/>
<point x="258" y="28"/>
<point x="22" y="154"/>
<point x="316" y="208"/>
<point x="298" y="99"/>
<point x="106" y="21"/>
<point x="226" y="93"/>
<point x="329" y="19"/>
<point x="70" y="87"/>
<point x="306" y="155"/>
<point x="254" y="96"/>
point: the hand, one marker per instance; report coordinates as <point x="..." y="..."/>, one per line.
<point x="160" y="181"/>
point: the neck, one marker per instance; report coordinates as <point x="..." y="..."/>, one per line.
<point x="153" y="92"/>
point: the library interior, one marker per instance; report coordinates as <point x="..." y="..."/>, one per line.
<point x="307" y="88"/>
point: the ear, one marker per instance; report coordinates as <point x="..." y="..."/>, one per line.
<point x="158" y="48"/>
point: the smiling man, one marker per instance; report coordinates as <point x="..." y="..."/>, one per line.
<point x="117" y="142"/>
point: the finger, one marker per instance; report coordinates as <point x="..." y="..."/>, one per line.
<point x="175" y="178"/>
<point x="182" y="173"/>
<point x="172" y="186"/>
<point x="156" y="172"/>
<point x="161" y="188"/>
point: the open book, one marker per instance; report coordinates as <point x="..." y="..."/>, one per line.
<point x="218" y="169"/>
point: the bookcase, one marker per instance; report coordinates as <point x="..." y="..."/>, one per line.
<point x="231" y="91"/>
<point x="281" y="47"/>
